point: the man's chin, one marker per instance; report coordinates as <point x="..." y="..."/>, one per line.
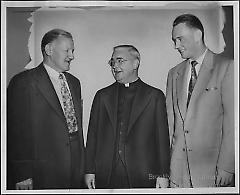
<point x="118" y="80"/>
<point x="184" y="56"/>
<point x="67" y="68"/>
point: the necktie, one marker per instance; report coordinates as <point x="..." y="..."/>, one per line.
<point x="68" y="106"/>
<point x="193" y="80"/>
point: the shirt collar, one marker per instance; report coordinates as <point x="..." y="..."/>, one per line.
<point x="201" y="58"/>
<point x="128" y="84"/>
<point x="51" y="72"/>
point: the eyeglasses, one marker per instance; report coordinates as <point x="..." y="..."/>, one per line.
<point x="118" y="61"/>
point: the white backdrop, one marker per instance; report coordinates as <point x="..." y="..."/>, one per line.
<point x="96" y="30"/>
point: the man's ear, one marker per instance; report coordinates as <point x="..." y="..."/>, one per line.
<point x="136" y="64"/>
<point x="198" y="35"/>
<point x="48" y="49"/>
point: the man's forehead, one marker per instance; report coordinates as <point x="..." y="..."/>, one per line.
<point x="180" y="29"/>
<point x="63" y="41"/>
<point x="123" y="51"/>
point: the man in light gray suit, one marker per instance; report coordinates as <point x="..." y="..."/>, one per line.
<point x="200" y="106"/>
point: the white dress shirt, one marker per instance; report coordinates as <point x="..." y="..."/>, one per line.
<point x="197" y="67"/>
<point x="54" y="77"/>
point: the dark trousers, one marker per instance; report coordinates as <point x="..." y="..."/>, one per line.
<point x="76" y="178"/>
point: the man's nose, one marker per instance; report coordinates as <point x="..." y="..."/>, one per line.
<point x="71" y="55"/>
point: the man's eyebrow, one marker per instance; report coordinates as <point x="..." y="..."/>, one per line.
<point x="178" y="37"/>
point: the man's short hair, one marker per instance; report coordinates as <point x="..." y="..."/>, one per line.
<point x="131" y="49"/>
<point x="52" y="35"/>
<point x="191" y="21"/>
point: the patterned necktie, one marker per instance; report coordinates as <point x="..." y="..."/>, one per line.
<point x="68" y="106"/>
<point x="193" y="80"/>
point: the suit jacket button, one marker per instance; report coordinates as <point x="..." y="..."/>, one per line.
<point x="183" y="149"/>
<point x="186" y="131"/>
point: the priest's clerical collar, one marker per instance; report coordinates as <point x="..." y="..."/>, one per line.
<point x="128" y="84"/>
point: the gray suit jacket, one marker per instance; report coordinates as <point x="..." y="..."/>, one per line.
<point x="202" y="136"/>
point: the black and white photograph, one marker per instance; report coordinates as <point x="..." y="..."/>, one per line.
<point x="119" y="97"/>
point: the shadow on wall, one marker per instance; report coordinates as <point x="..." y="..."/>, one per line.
<point x="17" y="39"/>
<point x="228" y="32"/>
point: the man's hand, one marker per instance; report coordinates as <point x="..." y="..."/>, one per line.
<point x="162" y="182"/>
<point x="223" y="178"/>
<point x="25" y="185"/>
<point x="90" y="181"/>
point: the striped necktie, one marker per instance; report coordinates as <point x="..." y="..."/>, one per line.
<point x="68" y="106"/>
<point x="193" y="80"/>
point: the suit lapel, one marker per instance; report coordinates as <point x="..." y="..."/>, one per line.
<point x="181" y="83"/>
<point x="140" y="101"/>
<point x="45" y="86"/>
<point x="77" y="104"/>
<point x="202" y="81"/>
<point x="111" y="103"/>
